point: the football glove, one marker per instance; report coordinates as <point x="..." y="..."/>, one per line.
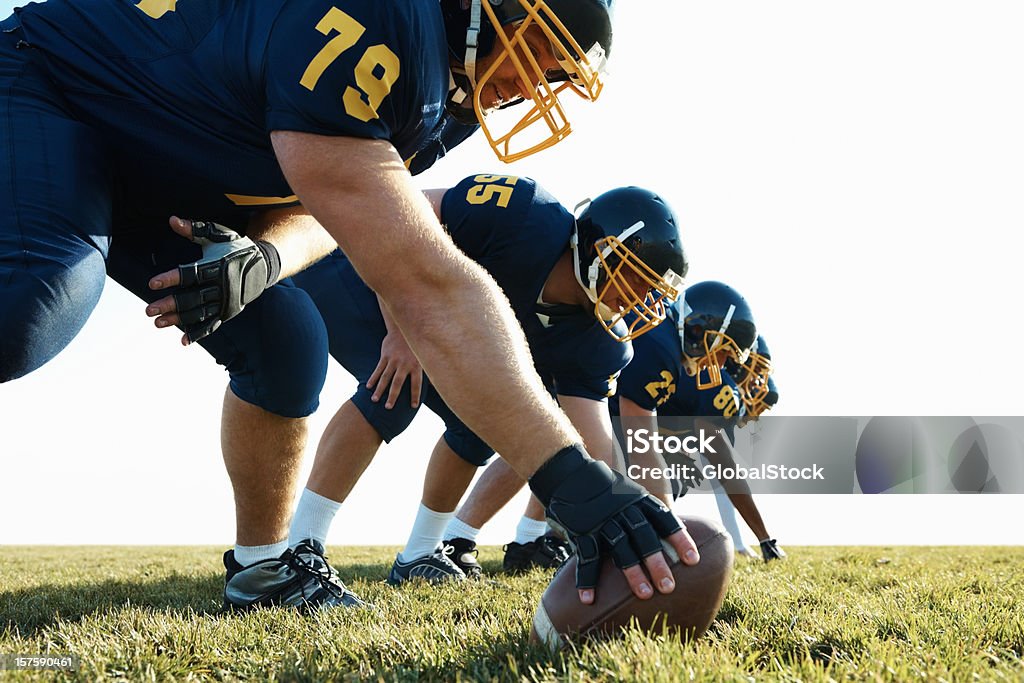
<point x="770" y="551"/>
<point x="234" y="271"/>
<point x="601" y="512"/>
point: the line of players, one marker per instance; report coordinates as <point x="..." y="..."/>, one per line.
<point x="599" y="296"/>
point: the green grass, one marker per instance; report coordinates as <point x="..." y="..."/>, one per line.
<point x="899" y="614"/>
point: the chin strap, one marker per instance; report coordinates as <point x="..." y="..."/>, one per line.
<point x="473" y="40"/>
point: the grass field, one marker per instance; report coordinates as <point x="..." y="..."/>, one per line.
<point x="900" y="614"/>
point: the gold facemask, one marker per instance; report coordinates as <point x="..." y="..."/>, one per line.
<point x="642" y="292"/>
<point x="545" y="123"/>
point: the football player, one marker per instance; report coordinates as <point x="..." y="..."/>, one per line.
<point x="758" y="391"/>
<point x="291" y="123"/>
<point x="570" y="282"/>
<point x="679" y="370"/>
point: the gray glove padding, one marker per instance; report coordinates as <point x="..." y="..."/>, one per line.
<point x="233" y="272"/>
<point x="600" y="511"/>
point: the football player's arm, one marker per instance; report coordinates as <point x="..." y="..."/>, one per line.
<point x="435" y="196"/>
<point x="449" y="309"/>
<point x="590" y="418"/>
<point x="636" y="417"/>
<point x="397" y="363"/>
<point x="463" y="331"/>
<point x="721" y="453"/>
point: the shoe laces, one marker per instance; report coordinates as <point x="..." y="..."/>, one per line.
<point x="320" y="572"/>
<point x="445" y="555"/>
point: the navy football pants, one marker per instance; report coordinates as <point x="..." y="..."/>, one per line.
<point x="57" y="242"/>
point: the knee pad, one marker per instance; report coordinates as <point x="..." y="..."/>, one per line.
<point x="389" y="423"/>
<point x="275" y="351"/>
<point x="467" y="445"/>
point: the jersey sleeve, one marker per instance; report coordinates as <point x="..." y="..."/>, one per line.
<point x="482" y="212"/>
<point x="333" y="71"/>
<point x="651" y="378"/>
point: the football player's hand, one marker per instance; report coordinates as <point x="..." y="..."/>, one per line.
<point x="234" y="271"/>
<point x="397" y="363"/>
<point x="771" y="551"/>
<point x="603" y="513"/>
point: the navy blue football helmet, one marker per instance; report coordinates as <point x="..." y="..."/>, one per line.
<point x="629" y="258"/>
<point x="579" y="33"/>
<point x="716" y="326"/>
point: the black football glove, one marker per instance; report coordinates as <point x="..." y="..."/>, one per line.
<point x="234" y="271"/>
<point x="600" y="511"/>
<point x="770" y="551"/>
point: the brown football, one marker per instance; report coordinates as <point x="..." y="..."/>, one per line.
<point x="688" y="610"/>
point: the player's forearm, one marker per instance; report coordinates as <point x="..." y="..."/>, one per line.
<point x="389" y="321"/>
<point x="299" y="239"/>
<point x="453" y="315"/>
<point x="591" y="420"/>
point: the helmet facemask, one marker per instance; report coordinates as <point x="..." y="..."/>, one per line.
<point x="545" y="123"/>
<point x="755" y="380"/>
<point x="622" y="286"/>
<point x="705" y="351"/>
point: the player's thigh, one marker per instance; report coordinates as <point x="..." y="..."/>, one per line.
<point x="275" y="350"/>
<point x="355" y="326"/>
<point x="55" y="190"/>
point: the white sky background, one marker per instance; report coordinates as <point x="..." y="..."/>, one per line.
<point x="855" y="169"/>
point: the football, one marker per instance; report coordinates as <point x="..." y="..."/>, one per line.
<point x="687" y="611"/>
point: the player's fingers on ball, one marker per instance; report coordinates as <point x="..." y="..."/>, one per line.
<point x="641" y="533"/>
<point x="685" y="547"/>
<point x="638" y="582"/>
<point x="659" y="516"/>
<point x="588" y="566"/>
<point x="660" y="572"/>
<point x="170" y="278"/>
<point x="617" y="540"/>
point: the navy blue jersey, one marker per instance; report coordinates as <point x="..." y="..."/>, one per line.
<point x="655" y="379"/>
<point x="517" y="232"/>
<point x="186" y="92"/>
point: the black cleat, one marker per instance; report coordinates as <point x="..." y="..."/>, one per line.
<point x="548" y="551"/>
<point x="301" y="577"/>
<point x="464" y="554"/>
<point x="435" y="568"/>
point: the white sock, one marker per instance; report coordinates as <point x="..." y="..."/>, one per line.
<point x="426" y="533"/>
<point x="530" y="529"/>
<point x="312" y="519"/>
<point x="727" y="511"/>
<point x="459" y="529"/>
<point x="246" y="555"/>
